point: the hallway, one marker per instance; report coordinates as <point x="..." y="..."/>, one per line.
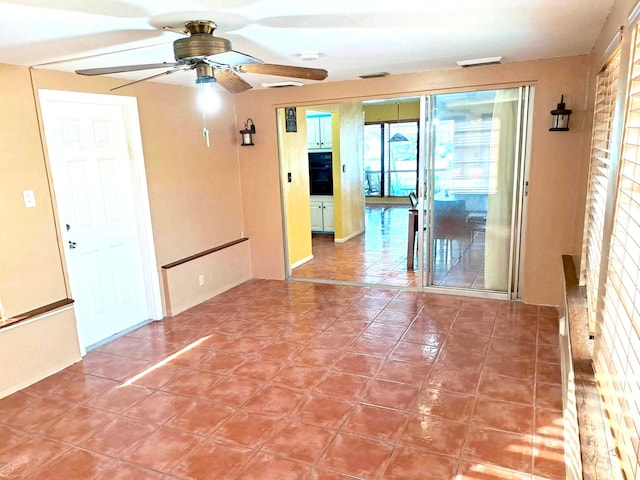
<point x="295" y="380"/>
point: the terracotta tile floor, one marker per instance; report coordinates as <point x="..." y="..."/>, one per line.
<point x="295" y="380"/>
<point x="379" y="256"/>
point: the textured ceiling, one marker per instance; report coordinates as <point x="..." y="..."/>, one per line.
<point x="351" y="38"/>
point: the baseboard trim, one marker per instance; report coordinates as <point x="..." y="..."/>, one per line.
<point x="301" y="262"/>
<point x="349" y="237"/>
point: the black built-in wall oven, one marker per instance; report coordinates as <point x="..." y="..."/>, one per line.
<point x="320" y="173"/>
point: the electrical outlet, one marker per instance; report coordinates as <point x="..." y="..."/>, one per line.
<point x="29" y="198"/>
<point x="201" y="280"/>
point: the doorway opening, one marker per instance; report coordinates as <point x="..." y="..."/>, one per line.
<point x="464" y="160"/>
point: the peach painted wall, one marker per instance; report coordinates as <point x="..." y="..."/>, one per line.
<point x="220" y="270"/>
<point x="194" y="194"/>
<point x="554" y="175"/>
<point x="31" y="273"/>
<point x="260" y="179"/>
<point x="194" y="190"/>
<point x="37" y="349"/>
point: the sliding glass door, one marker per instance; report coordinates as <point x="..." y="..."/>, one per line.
<point x="473" y="162"/>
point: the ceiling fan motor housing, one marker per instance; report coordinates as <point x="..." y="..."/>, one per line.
<point x="198" y="46"/>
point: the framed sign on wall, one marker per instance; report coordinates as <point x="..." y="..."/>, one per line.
<point x="291" y="119"/>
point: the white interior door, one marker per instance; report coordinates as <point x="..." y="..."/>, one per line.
<point x="92" y="168"/>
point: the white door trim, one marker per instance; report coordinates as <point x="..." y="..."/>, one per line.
<point x="139" y="186"/>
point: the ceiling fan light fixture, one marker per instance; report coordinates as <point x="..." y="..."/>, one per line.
<point x="478" y="62"/>
<point x="205" y="73"/>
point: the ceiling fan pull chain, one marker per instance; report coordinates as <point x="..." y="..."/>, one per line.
<point x="205" y="134"/>
<point x="205" y="130"/>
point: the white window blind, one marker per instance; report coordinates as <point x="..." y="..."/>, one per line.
<point x="617" y="347"/>
<point x="599" y="170"/>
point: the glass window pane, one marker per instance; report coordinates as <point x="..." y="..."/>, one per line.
<point x="372" y="160"/>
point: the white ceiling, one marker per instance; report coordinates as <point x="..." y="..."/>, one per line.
<point x="351" y="37"/>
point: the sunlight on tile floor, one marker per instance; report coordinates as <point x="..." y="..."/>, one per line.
<point x="295" y="380"/>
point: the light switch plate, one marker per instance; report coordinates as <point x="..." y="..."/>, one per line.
<point x="29" y="198"/>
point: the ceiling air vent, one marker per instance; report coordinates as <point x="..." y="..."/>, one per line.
<point x="289" y="83"/>
<point x="478" y="62"/>
<point x="375" y="75"/>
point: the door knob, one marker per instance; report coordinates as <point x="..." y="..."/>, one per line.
<point x="72" y="245"/>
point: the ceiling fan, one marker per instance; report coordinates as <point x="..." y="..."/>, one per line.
<point x="213" y="59"/>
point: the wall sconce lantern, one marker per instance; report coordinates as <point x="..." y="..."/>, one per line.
<point x="560" y="115"/>
<point x="249" y="129"/>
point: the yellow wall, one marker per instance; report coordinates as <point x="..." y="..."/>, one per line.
<point x="349" y="170"/>
<point x="554" y="175"/>
<point x="339" y="198"/>
<point x="348" y="196"/>
<point x="293" y="156"/>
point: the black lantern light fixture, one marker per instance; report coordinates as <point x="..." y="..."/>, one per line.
<point x="249" y="129"/>
<point x="560" y="117"/>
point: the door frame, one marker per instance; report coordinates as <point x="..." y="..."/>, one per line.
<point x="141" y="206"/>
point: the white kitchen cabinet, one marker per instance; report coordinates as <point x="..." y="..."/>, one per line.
<point x="322" y="216"/>
<point x="319" y="132"/>
<point x="328" y="216"/>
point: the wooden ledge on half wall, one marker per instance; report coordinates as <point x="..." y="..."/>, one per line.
<point x="37" y="312"/>
<point x="204" y="253"/>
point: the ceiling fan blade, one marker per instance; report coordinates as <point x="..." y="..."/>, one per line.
<point x="285" y="71"/>
<point x="232" y="57"/>
<point x="101" y="54"/>
<point x="228" y="79"/>
<point x="168" y="72"/>
<point x="124" y="68"/>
